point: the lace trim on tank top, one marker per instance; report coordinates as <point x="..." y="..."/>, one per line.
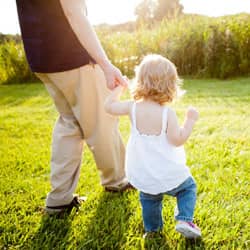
<point x="163" y="125"/>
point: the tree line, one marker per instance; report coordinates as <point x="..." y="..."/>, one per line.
<point x="157" y="10"/>
<point x="200" y="46"/>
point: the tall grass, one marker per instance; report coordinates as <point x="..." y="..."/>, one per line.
<point x="198" y="45"/>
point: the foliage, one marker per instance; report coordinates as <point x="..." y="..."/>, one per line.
<point x="168" y="9"/>
<point x="9" y="38"/>
<point x="13" y="64"/>
<point x="145" y="10"/>
<point x="228" y="47"/>
<point x="157" y="10"/>
<point x="217" y="153"/>
<point x="198" y="45"/>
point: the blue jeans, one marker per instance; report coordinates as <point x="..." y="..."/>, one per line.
<point x="152" y="205"/>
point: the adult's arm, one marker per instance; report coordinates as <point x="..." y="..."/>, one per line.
<point x="75" y="13"/>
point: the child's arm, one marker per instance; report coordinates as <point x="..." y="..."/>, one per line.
<point x="114" y="106"/>
<point x="177" y="135"/>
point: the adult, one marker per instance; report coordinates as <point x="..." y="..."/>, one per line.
<point x="65" y="53"/>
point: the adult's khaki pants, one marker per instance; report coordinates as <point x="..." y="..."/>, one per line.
<point x="79" y="96"/>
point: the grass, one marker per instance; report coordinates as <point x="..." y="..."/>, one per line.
<point x="218" y="154"/>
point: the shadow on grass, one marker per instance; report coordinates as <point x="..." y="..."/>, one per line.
<point x="161" y="243"/>
<point x="158" y="242"/>
<point x="107" y="227"/>
<point x="52" y="233"/>
<point x="194" y="244"/>
<point x="109" y="223"/>
<point x="17" y="94"/>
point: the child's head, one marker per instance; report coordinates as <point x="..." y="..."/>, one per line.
<point x="156" y="80"/>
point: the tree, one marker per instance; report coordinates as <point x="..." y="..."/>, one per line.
<point x="168" y="9"/>
<point x="158" y="9"/>
<point x="145" y="10"/>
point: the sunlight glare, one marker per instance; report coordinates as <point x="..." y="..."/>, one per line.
<point x="120" y="11"/>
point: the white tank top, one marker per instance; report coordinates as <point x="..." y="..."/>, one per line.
<point x="153" y="165"/>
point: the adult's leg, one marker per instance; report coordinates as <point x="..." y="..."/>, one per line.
<point x="67" y="145"/>
<point x="85" y="90"/>
<point x="151" y="211"/>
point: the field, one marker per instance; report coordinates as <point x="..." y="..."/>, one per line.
<point x="199" y="46"/>
<point x="218" y="154"/>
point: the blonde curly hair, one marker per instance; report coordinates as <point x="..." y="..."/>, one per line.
<point x="156" y="79"/>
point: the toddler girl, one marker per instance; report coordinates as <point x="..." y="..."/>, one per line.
<point x="155" y="157"/>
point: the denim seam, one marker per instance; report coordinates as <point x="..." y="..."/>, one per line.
<point x="184" y="218"/>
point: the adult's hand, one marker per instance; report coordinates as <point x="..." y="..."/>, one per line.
<point x="113" y="76"/>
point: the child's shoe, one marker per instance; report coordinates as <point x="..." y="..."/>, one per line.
<point x="188" y="229"/>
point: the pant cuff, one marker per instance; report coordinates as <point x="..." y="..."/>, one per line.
<point x="52" y="202"/>
<point x="184" y="218"/>
<point x="153" y="230"/>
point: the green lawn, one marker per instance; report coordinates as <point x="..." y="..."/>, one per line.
<point x="218" y="154"/>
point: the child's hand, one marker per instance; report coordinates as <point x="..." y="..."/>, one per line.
<point x="119" y="90"/>
<point x="125" y="82"/>
<point x="192" y="114"/>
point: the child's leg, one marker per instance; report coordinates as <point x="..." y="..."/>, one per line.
<point x="186" y="199"/>
<point x="151" y="211"/>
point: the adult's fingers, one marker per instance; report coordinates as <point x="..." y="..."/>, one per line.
<point x="122" y="81"/>
<point x="110" y="83"/>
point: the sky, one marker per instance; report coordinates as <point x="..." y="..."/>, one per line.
<point x="119" y="11"/>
